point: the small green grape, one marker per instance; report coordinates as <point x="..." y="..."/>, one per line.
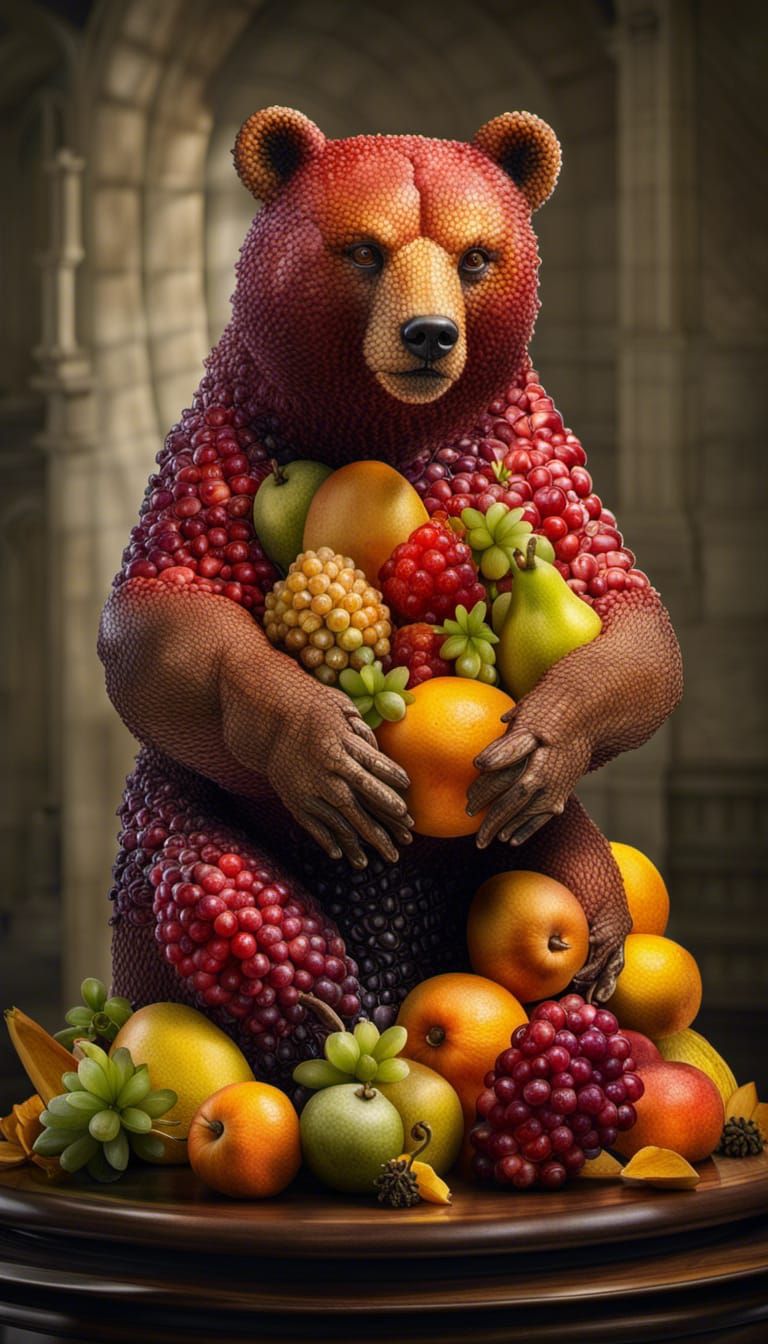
<point x="342" y="1051"/>
<point x="138" y="1122"/>
<point x="367" y="1036"/>
<point x="117" y="1151"/>
<point x="104" y="1125"/>
<point x="366" y="1069"/>
<point x="78" y="1153"/>
<point x="390" y="1043"/>
<point x="392" y="1071"/>
<point x="136" y="1089"/>
<point x="318" y="1073"/>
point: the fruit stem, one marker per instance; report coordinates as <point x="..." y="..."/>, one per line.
<point x="160" y="1134"/>
<point x="366" y="1092"/>
<point x="557" y="944"/>
<point x="527" y="561"/>
<point x="435" y="1036"/>
<point x="215" y="1125"/>
<point x="323" y="1011"/>
<point x="422" y="1131"/>
<point x="277" y="472"/>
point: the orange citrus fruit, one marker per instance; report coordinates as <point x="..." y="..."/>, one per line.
<point x="364" y="510"/>
<point x="527" y="932"/>
<point x="457" y="1024"/>
<point x="451" y="720"/>
<point x="244" y="1141"/>
<point x="659" y="990"/>
<point x="647" y="895"/>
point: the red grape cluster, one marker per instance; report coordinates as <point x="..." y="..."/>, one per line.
<point x="245" y="943"/>
<point x="429" y="575"/>
<point x="557" y="1096"/>
<point x="543" y="469"/>
<point x="417" y="647"/>
<point x="196" y="520"/>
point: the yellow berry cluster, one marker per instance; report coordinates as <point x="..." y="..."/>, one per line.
<point x="326" y="613"/>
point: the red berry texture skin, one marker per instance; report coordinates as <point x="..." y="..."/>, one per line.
<point x="244" y="759"/>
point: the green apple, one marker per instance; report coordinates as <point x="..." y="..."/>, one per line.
<point x="281" y="506"/>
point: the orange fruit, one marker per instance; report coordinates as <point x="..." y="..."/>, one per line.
<point x="457" y="1024"/>
<point x="647" y="895"/>
<point x="680" y="1109"/>
<point x="364" y="510"/>
<point x="527" y="932"/>
<point x="451" y="720"/>
<point x="659" y="989"/>
<point x="244" y="1141"/>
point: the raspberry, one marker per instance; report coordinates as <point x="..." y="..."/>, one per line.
<point x="417" y="647"/>
<point x="326" y="613"/>
<point x="427" y="576"/>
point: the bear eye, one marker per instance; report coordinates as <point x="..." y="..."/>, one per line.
<point x="475" y="262"/>
<point x="366" y="256"/>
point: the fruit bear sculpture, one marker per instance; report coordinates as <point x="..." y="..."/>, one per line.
<point x="253" y="778"/>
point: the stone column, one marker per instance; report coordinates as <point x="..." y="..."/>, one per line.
<point x="657" y="283"/>
<point x="68" y="442"/>
<point x="653" y="48"/>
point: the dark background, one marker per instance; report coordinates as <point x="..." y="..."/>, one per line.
<point x="121" y="221"/>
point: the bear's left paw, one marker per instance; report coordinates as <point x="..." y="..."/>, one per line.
<point x="597" y="978"/>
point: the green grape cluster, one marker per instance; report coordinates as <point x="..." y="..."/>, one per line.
<point x="362" y="1056"/>
<point x="97" y="1017"/>
<point x="106" y="1112"/>
<point x="376" y="694"/>
<point x="496" y="535"/>
<point x="469" y="643"/>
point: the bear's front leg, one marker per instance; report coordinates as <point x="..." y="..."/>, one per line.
<point x="604" y="698"/>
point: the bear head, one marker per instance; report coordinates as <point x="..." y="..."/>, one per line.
<point x="387" y="289"/>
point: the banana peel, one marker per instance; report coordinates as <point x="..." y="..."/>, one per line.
<point x="44" y="1059"/>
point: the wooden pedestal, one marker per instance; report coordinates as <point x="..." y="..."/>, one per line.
<point x="157" y="1256"/>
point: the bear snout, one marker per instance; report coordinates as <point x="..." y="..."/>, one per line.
<point x="429" y="338"/>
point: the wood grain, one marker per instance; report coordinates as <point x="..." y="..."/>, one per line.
<point x="156" y="1252"/>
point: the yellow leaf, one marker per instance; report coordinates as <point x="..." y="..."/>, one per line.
<point x="760" y="1117"/>
<point x="432" y="1187"/>
<point x="742" y="1103"/>
<point x="660" y="1167"/>
<point x="11" y="1155"/>
<point x="602" y="1168"/>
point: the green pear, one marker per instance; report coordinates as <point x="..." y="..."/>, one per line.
<point x="545" y="620"/>
<point x="281" y="506"/>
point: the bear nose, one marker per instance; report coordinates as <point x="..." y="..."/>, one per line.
<point x="429" y="338"/>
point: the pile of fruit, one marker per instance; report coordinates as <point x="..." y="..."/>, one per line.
<point x="434" y="603"/>
<point x="500" y="1074"/>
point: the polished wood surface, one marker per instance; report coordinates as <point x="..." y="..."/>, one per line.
<point x="158" y="1252"/>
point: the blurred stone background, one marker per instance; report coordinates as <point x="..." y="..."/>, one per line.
<point x="121" y="222"/>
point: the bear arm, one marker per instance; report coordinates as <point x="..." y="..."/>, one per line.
<point x="176" y="658"/>
<point x="615" y="692"/>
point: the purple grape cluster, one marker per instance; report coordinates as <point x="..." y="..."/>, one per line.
<point x="556" y="1097"/>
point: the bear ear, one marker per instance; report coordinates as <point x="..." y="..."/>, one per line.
<point x="526" y="148"/>
<point x="270" y="147"/>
